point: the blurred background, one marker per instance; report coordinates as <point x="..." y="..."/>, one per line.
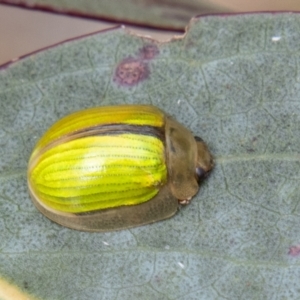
<point x="23" y="31"/>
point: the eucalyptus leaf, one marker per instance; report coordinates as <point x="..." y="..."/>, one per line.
<point x="171" y="14"/>
<point x="234" y="81"/>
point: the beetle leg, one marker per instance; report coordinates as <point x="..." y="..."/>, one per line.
<point x="185" y="201"/>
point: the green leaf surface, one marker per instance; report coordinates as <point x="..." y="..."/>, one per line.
<point x="234" y="81"/>
<point x="170" y="14"/>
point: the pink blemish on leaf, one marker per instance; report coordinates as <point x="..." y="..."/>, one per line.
<point x="148" y="52"/>
<point x="131" y="71"/>
<point x="294" y="251"/>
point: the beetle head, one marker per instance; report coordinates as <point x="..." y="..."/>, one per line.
<point x="204" y="160"/>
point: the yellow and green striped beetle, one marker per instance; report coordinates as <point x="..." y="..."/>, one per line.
<point x="115" y="167"/>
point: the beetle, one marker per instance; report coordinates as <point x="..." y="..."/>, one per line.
<point x="115" y="167"/>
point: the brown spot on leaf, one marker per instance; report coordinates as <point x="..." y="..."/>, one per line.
<point x="131" y="71"/>
<point x="25" y="284"/>
<point x="149" y="52"/>
<point x="294" y="250"/>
